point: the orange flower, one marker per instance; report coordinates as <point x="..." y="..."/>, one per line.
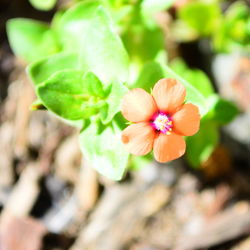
<point x="159" y="120"/>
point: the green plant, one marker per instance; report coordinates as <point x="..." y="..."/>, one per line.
<point x="227" y="30"/>
<point x="44" y="5"/>
<point x="89" y="57"/>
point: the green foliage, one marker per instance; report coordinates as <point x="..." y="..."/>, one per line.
<point x="234" y="31"/>
<point x="196" y="77"/>
<point x="104" y="150"/>
<point x="150" y="74"/>
<point x="64" y="94"/>
<point x="43" y="4"/>
<point x="221" y="110"/>
<point x="92" y="85"/>
<point x="202" y="16"/>
<point x="150" y="7"/>
<point x="201" y="145"/>
<point x="228" y="30"/>
<point x="80" y="69"/>
<point x="41" y="70"/>
<point x="88" y="29"/>
<point x="143" y="44"/>
<point x="103" y="52"/>
<point x="72" y="24"/>
<point x="113" y="101"/>
<point x="31" y="40"/>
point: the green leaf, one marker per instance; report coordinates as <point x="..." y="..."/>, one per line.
<point x="31" y="40"/>
<point x="196" y="77"/>
<point x="113" y="101"/>
<point x="72" y="25"/>
<point x="202" y="16"/>
<point x="192" y="94"/>
<point x="41" y="70"/>
<point x="150" y="74"/>
<point x="63" y="94"/>
<point x="182" y="32"/>
<point x="93" y="86"/>
<point x="150" y="7"/>
<point x="201" y="145"/>
<point x="143" y="44"/>
<point x="221" y="111"/>
<point x="200" y="81"/>
<point x="153" y="6"/>
<point x="87" y="27"/>
<point x="56" y="20"/>
<point x="233" y="33"/>
<point x="102" y="51"/>
<point x="104" y="150"/>
<point x="43" y="4"/>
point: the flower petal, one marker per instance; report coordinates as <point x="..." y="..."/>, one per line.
<point x="168" y="147"/>
<point x="138" y="138"/>
<point x="138" y="105"/>
<point x="169" y="95"/>
<point x="186" y="121"/>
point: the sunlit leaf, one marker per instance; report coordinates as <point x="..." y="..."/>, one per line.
<point x="43" y="4"/>
<point x="104" y="150"/>
<point x="88" y="28"/>
<point x="102" y="51"/>
<point x="113" y="102"/>
<point x="221" y="110"/>
<point x="150" y="7"/>
<point x="72" y="25"/>
<point x="234" y="31"/>
<point x="63" y="94"/>
<point x="150" y="74"/>
<point x="201" y="145"/>
<point x="195" y="77"/>
<point x="31" y="40"/>
<point x="92" y="85"/>
<point x="143" y="44"/>
<point x="43" y="69"/>
<point x="201" y="16"/>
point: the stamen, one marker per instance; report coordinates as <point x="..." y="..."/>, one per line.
<point x="163" y="123"/>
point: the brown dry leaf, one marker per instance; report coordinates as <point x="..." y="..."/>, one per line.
<point x="120" y="215"/>
<point x="22" y="117"/>
<point x="56" y="133"/>
<point x="21" y="233"/>
<point x="222" y="195"/>
<point x="241" y="83"/>
<point x="24" y="193"/>
<point x="6" y="155"/>
<point x="67" y="159"/>
<point x="87" y="187"/>
<point x="154" y="199"/>
<point x="218" y="164"/>
<point x="230" y="224"/>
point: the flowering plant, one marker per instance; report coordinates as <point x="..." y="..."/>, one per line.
<point x="82" y="67"/>
<point x="160" y="120"/>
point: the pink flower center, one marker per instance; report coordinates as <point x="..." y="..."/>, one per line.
<point x="163" y="123"/>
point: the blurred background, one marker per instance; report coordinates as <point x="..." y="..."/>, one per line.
<point x="50" y="198"/>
